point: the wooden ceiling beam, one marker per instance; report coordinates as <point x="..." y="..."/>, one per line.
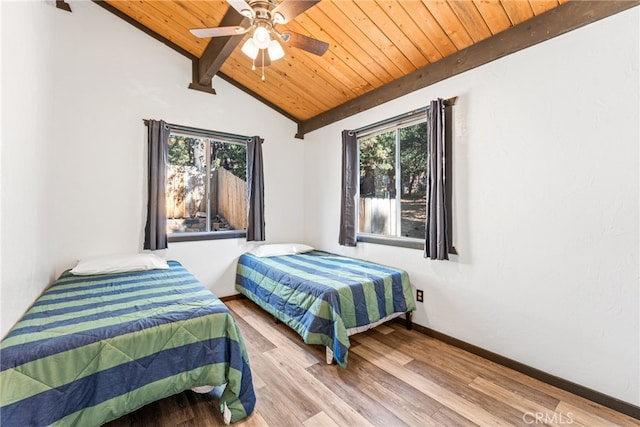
<point x="62" y="4"/>
<point x="195" y="79"/>
<point x="557" y="21"/>
<point x="219" y="48"/>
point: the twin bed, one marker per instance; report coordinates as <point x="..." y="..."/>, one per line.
<point x="325" y="297"/>
<point x="95" y="347"/>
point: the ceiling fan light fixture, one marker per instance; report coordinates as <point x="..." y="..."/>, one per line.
<point x="261" y="37"/>
<point x="275" y="50"/>
<point x="278" y="18"/>
<point x="265" y="43"/>
<point x="250" y="49"/>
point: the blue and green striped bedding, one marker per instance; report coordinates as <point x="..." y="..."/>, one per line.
<point x="93" y="348"/>
<point x="324" y="296"/>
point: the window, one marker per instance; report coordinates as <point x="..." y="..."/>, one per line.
<point x="392" y="156"/>
<point x="206" y="192"/>
<point x="393" y="165"/>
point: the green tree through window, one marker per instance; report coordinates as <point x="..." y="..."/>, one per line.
<point x="393" y="163"/>
<point x="206" y="185"/>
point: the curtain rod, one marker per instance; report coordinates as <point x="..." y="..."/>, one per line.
<point x="380" y="125"/>
<point x="215" y="134"/>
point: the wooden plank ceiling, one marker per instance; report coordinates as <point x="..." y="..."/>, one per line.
<point x="372" y="44"/>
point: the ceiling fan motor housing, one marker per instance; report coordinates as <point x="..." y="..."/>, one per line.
<point x="262" y="10"/>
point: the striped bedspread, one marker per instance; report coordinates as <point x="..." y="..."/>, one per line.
<point x="323" y="296"/>
<point x="93" y="348"/>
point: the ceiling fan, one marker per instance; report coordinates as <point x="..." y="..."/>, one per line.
<point x="264" y="16"/>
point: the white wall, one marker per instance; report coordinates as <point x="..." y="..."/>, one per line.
<point x="546" y="214"/>
<point x="76" y="87"/>
<point x="28" y="262"/>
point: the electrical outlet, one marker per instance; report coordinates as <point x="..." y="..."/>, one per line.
<point x="419" y="295"/>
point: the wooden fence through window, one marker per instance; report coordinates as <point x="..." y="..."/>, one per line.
<point x="186" y="195"/>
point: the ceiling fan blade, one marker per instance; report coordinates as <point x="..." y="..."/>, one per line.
<point x="303" y="42"/>
<point x="242" y="7"/>
<point x="289" y="9"/>
<point x="218" y="31"/>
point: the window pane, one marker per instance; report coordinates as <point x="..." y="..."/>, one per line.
<point x="413" y="160"/>
<point x="186" y="185"/>
<point x="228" y="186"/>
<point x="377" y="184"/>
<point x="397" y="157"/>
<point x="195" y="205"/>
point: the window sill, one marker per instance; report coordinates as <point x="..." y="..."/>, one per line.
<point x="214" y="235"/>
<point x="403" y="242"/>
<point x="396" y="241"/>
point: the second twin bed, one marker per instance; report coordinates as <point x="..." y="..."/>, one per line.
<point x="325" y="297"/>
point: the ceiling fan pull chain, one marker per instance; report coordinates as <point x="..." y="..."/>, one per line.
<point x="263" y="79"/>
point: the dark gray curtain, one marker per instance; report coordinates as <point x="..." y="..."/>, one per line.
<point x="255" y="190"/>
<point x="436" y="243"/>
<point x="155" y="231"/>
<point x="350" y="175"/>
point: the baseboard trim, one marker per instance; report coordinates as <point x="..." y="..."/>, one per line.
<point x="577" y="389"/>
<point x="566" y="385"/>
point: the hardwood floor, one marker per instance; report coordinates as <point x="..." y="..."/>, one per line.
<point x="394" y="377"/>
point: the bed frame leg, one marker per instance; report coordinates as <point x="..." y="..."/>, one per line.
<point x="328" y="355"/>
<point x="408" y="315"/>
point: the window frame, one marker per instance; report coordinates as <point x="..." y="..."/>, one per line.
<point x="394" y="123"/>
<point x="389" y="125"/>
<point x="222" y="137"/>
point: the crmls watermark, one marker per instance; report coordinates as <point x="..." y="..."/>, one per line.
<point x="547" y="418"/>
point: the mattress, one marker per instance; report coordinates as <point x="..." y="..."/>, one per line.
<point x="324" y="297"/>
<point x="93" y="348"/>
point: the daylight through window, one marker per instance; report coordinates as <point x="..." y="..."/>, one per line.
<point x="393" y="166"/>
<point x="206" y="184"/>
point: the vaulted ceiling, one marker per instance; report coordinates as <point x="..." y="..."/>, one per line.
<point x="378" y="49"/>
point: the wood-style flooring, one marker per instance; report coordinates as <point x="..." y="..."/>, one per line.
<point x="394" y="377"/>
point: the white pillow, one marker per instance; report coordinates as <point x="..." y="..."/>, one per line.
<point x="119" y="264"/>
<point x="277" y="249"/>
<point x="301" y="248"/>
